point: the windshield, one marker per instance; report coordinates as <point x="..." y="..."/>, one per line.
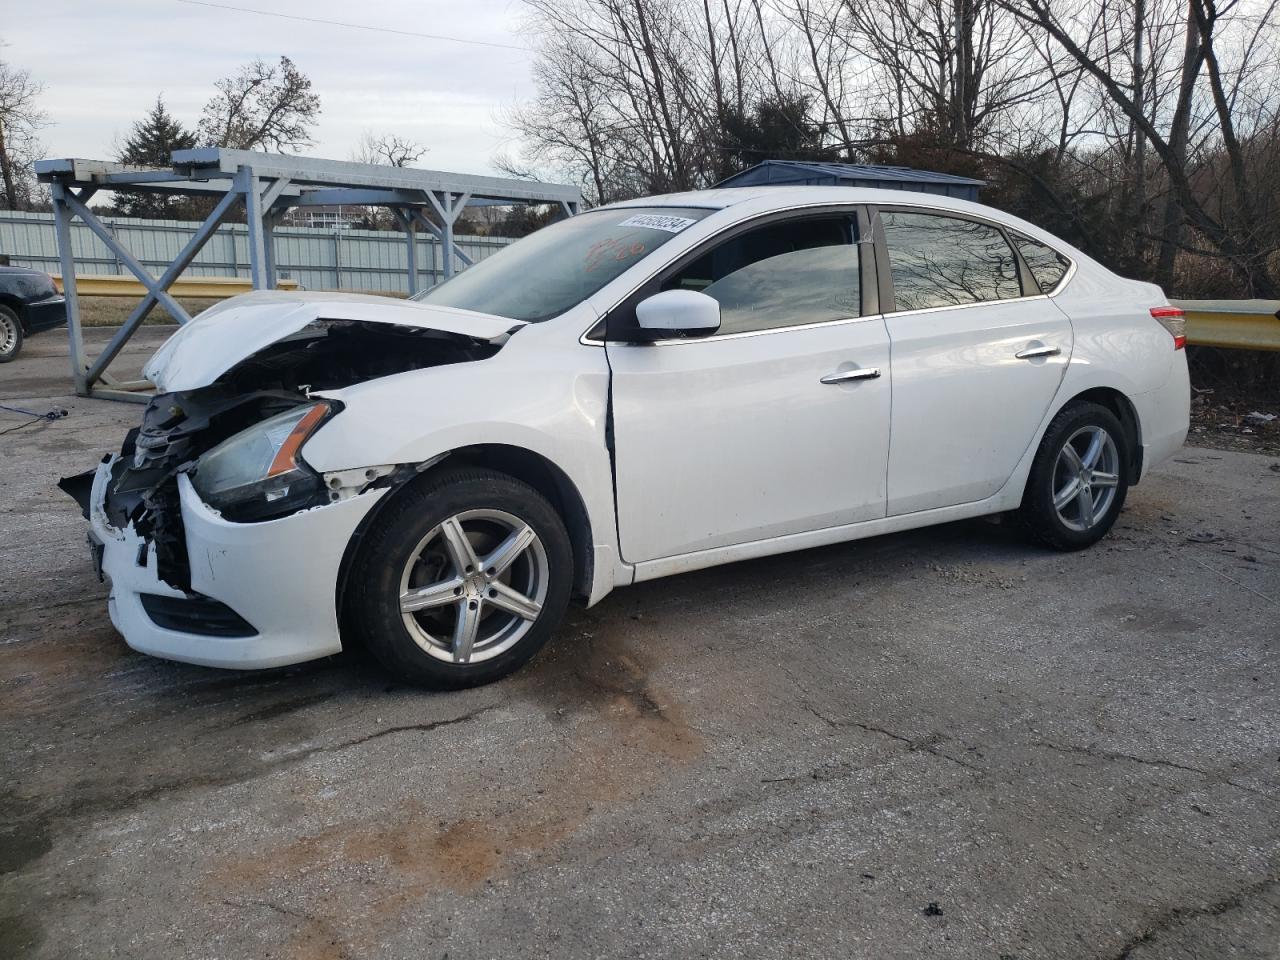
<point x="559" y="266"/>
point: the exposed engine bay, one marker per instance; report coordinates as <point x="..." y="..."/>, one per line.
<point x="330" y="354"/>
<point x="188" y="431"/>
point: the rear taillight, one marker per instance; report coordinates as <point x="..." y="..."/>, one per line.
<point x="1174" y="320"/>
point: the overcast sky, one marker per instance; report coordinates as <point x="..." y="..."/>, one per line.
<point x="103" y="64"/>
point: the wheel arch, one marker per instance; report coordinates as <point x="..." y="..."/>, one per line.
<point x="1119" y="404"/>
<point x="17" y="306"/>
<point x="550" y="481"/>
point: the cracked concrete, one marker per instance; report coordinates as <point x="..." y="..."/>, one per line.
<point x="928" y="744"/>
<point x="1072" y="756"/>
<point x="1162" y="931"/>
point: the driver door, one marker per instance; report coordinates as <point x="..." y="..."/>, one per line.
<point x="777" y="424"/>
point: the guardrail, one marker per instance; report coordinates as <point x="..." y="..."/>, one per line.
<point x="209" y="288"/>
<point x="1237" y="324"/>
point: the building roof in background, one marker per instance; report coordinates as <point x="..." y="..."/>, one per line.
<point x="789" y="169"/>
<point x="854" y="174"/>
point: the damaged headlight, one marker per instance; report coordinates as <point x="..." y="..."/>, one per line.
<point x="258" y="473"/>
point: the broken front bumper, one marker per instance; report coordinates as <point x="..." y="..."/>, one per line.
<point x="264" y="594"/>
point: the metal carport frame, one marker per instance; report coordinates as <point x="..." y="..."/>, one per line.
<point x="268" y="185"/>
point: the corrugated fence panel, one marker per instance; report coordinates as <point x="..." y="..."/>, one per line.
<point x="318" y="259"/>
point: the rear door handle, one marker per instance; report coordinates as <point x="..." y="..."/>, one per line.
<point x="1032" y="352"/>
<point x="862" y="373"/>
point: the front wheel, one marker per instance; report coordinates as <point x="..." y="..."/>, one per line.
<point x="460" y="579"/>
<point x="1079" y="478"/>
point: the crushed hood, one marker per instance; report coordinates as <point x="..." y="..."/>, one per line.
<point x="232" y="331"/>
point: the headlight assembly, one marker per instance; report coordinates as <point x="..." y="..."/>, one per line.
<point x="259" y="473"/>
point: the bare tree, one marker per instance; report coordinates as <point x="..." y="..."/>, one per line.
<point x="1148" y="131"/>
<point x="262" y="107"/>
<point x="645" y="96"/>
<point x="1235" y="217"/>
<point x="959" y="68"/>
<point x="20" y="119"/>
<point x="389" y="149"/>
<point x="574" y="126"/>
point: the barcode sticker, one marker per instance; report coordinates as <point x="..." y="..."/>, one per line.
<point x="655" y="222"/>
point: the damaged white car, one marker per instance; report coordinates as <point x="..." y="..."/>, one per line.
<point x="641" y="390"/>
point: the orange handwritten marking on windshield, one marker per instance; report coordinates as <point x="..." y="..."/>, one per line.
<point x="611" y="248"/>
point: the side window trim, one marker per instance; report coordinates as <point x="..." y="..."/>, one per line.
<point x="869" y="274"/>
<point x="599" y="333"/>
<point x="884" y="276"/>
<point x="1026" y="279"/>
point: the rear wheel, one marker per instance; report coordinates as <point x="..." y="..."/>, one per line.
<point x="461" y="578"/>
<point x="1079" y="478"/>
<point x="10" y="334"/>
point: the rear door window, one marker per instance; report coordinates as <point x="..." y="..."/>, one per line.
<point x="941" y="261"/>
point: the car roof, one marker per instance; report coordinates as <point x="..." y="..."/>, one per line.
<point x="755" y="200"/>
<point x="781" y="197"/>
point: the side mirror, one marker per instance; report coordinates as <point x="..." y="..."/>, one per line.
<point x="679" y="313"/>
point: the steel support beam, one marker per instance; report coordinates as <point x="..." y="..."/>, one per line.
<point x="268" y="184"/>
<point x="171" y="273"/>
<point x="269" y="198"/>
<point x="248" y="188"/>
<point x="62" y="227"/>
<point x="410" y="227"/>
<point x="269" y="251"/>
<point x="448" y="207"/>
<point x="117" y="249"/>
<point x="205" y="163"/>
<point x="421" y="220"/>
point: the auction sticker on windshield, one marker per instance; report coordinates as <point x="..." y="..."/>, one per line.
<point x="656" y="222"/>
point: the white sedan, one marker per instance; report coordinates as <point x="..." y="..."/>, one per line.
<point x="648" y="388"/>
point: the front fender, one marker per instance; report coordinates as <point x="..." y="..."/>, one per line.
<point x="552" y="402"/>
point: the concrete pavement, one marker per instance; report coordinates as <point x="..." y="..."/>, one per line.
<point x="947" y="743"/>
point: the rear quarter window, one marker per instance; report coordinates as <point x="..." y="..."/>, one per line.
<point x="1046" y="264"/>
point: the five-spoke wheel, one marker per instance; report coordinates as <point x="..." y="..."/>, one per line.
<point x="474" y="585"/>
<point x="460" y="578"/>
<point x="1086" y="477"/>
<point x="1079" y="477"/>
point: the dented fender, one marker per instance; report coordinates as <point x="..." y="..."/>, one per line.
<point x="537" y="395"/>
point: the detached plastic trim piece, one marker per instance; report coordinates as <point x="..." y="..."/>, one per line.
<point x="197" y="614"/>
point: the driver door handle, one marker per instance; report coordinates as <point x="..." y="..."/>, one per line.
<point x="1032" y="352"/>
<point x="864" y="373"/>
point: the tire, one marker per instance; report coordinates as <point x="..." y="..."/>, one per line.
<point x="412" y="554"/>
<point x="10" y="334"/>
<point x="1049" y="511"/>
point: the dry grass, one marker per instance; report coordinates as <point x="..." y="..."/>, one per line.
<point x="113" y="311"/>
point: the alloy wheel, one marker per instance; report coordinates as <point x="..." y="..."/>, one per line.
<point x="1085" y="478"/>
<point x="474" y="586"/>
<point x="8" y="334"/>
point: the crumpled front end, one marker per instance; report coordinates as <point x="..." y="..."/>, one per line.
<point x="254" y="586"/>
<point x="223" y="545"/>
<point x="256" y="594"/>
